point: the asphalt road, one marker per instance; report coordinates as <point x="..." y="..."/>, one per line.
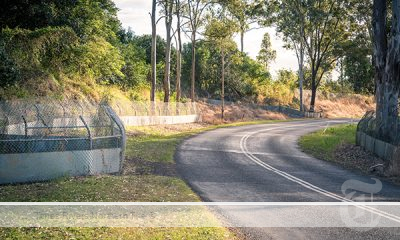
<point x="262" y="163"/>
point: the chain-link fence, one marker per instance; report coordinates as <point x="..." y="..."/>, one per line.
<point x="27" y="126"/>
<point x="155" y="108"/>
<point x="50" y="126"/>
<point x="368" y="125"/>
<point x="368" y="138"/>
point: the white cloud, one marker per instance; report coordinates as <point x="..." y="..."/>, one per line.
<point x="135" y="14"/>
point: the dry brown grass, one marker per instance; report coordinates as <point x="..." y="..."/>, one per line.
<point x="234" y="113"/>
<point x="331" y="105"/>
<point x="334" y="106"/>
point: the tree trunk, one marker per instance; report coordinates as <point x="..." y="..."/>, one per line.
<point x="178" y="72"/>
<point x="178" y="55"/>
<point x="242" y="41"/>
<point x="168" y="27"/>
<point x="167" y="73"/>
<point x="301" y="80"/>
<point x="387" y="66"/>
<point x="153" y="52"/>
<point x="223" y="84"/>
<point x="313" y="91"/>
<point x="313" y="97"/>
<point x="193" y="72"/>
<point x="380" y="49"/>
<point x="301" y="71"/>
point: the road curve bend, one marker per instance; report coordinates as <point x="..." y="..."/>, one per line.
<point x="263" y="163"/>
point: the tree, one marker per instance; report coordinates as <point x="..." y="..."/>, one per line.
<point x="243" y="13"/>
<point x="317" y="27"/>
<point x="87" y="18"/>
<point x="356" y="65"/>
<point x="247" y="77"/>
<point x="356" y="69"/>
<point x="266" y="54"/>
<point x="289" y="20"/>
<point x="168" y="6"/>
<point x="136" y="68"/>
<point x="220" y="32"/>
<point x="195" y="16"/>
<point x="324" y="34"/>
<point x="179" y="8"/>
<point x="95" y="53"/>
<point x="387" y="65"/>
<point x="153" y="51"/>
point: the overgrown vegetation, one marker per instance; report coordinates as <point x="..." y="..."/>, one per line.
<point x="78" y="49"/>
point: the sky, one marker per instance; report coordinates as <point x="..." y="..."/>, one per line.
<point x="135" y="14"/>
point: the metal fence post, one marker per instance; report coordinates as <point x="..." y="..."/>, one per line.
<point x="89" y="132"/>
<point x="26" y="126"/>
<point x="114" y="117"/>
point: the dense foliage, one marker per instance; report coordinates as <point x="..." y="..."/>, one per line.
<point x="74" y="48"/>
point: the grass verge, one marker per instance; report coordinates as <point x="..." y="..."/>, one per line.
<point x="323" y="143"/>
<point x="337" y="144"/>
<point x="147" y="149"/>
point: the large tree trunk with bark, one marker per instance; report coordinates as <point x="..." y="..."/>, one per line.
<point x="153" y="52"/>
<point x="193" y="72"/>
<point x="380" y="49"/>
<point x="392" y="78"/>
<point x="387" y="66"/>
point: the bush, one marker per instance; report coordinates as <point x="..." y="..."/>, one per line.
<point x="44" y="61"/>
<point x="100" y="60"/>
<point x="49" y="49"/>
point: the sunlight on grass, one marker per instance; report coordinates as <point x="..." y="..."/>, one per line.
<point x="322" y="144"/>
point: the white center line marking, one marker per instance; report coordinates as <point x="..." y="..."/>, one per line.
<point x="243" y="146"/>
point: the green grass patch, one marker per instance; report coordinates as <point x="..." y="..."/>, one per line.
<point x="116" y="233"/>
<point x="322" y="144"/>
<point x="158" y="144"/>
<point x="144" y="188"/>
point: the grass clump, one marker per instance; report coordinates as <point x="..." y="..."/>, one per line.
<point x="323" y="143"/>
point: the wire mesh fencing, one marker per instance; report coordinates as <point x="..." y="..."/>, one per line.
<point x="155" y="108"/>
<point x="369" y="125"/>
<point x="50" y="125"/>
<point x="46" y="139"/>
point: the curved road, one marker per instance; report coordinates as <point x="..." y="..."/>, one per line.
<point x="262" y="163"/>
